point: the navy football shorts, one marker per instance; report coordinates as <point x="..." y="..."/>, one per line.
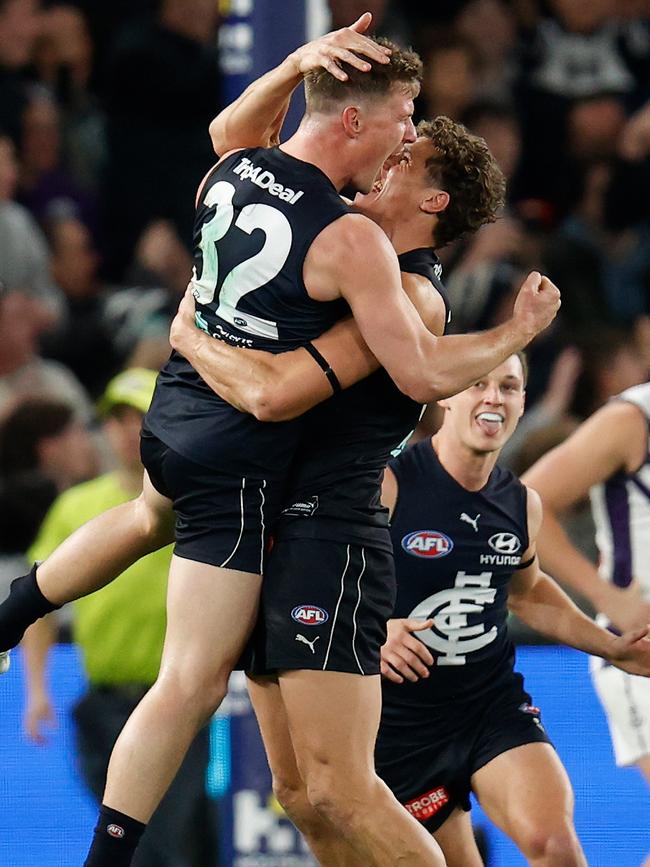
<point x="221" y="520"/>
<point x="427" y="758"/>
<point x="324" y="607"/>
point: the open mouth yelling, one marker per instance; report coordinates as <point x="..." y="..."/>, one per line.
<point x="402" y="157"/>
<point x="490" y="422"/>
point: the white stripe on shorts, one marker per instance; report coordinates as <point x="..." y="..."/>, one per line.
<point x="336" y="612"/>
<point x="241" y="527"/>
<point x="262" y="486"/>
<point x="354" y="615"/>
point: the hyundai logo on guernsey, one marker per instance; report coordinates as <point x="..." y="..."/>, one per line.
<point x="427" y="543"/>
<point x="310" y="615"/>
<point x="507" y="546"/>
<point x="265" y="180"/>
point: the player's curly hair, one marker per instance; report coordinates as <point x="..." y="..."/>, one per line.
<point x="463" y="167"/>
<point x="324" y="92"/>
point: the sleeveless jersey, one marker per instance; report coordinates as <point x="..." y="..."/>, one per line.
<point x="621" y="512"/>
<point x="259" y="212"/>
<point x="335" y="488"/>
<point x="455" y="553"/>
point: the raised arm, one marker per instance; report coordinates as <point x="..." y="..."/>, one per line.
<point x="615" y="438"/>
<point x="537" y="600"/>
<point x="255" y="118"/>
<point x="352" y="257"/>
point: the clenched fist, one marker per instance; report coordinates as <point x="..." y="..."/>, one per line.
<point x="536" y="304"/>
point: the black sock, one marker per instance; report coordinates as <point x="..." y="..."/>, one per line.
<point x="115" y="841"/>
<point x="24" y="605"/>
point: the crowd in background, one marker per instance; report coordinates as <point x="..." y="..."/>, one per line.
<point x="104" y="109"/>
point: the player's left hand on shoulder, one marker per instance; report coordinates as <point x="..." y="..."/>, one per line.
<point x="631" y="651"/>
<point x="404" y="656"/>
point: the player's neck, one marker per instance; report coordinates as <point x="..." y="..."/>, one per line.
<point x="408" y="235"/>
<point x="469" y="468"/>
<point x="312" y="144"/>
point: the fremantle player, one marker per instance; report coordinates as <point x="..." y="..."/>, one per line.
<point x="455" y="714"/>
<point x="188" y="662"/>
<point x="607" y="458"/>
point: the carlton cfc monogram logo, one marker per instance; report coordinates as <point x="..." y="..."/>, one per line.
<point x="427" y="543"/>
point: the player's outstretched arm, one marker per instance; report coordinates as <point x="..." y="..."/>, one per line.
<point x="255" y="118"/>
<point x="542" y="604"/>
<point x="352" y="257"/>
<point x="613" y="439"/>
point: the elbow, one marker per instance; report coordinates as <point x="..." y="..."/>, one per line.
<point x="422" y="390"/>
<point x="268" y="405"/>
<point x="217" y="137"/>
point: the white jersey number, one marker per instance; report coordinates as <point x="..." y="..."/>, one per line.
<point x="250" y="274"/>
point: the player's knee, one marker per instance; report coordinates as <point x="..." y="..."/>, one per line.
<point x="191" y="690"/>
<point x="332" y="794"/>
<point x="291" y="794"/>
<point x="557" y="847"/>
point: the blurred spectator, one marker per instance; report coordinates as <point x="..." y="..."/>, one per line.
<point x="23" y="373"/>
<point x="107" y="328"/>
<point x="604" y="272"/>
<point x="82" y="341"/>
<point x="628" y="193"/>
<point x="63" y="58"/>
<point x="574" y="55"/>
<point x="19" y="28"/>
<point x="24" y="256"/>
<point x="24" y="501"/>
<point x="45" y="437"/>
<point x="499" y="126"/>
<point x="450" y="82"/>
<point x="491" y="28"/>
<point x="47" y="187"/>
<point x="162" y="92"/>
<point x="120" y="631"/>
<point x="612" y="362"/>
<point x="140" y="320"/>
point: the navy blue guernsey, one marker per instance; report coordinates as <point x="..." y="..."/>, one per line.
<point x="455" y="553"/>
<point x="258" y="214"/>
<point x="347" y="441"/>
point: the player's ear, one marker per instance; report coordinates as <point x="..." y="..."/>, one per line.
<point x="351" y="121"/>
<point x="434" y="202"/>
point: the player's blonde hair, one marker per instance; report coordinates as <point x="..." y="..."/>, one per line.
<point x="325" y="93"/>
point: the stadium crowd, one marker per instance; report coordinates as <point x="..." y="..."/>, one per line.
<point x="104" y="110"/>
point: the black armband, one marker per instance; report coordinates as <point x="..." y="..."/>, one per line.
<point x="527" y="563"/>
<point x="324" y="365"/>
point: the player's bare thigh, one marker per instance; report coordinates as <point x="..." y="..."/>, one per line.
<point x="456" y="839"/>
<point x="527" y="793"/>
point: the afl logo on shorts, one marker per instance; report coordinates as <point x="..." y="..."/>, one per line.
<point x="427" y="543"/>
<point x="310" y="615"/>
<point x="115" y="831"/>
<point x="504" y="543"/>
